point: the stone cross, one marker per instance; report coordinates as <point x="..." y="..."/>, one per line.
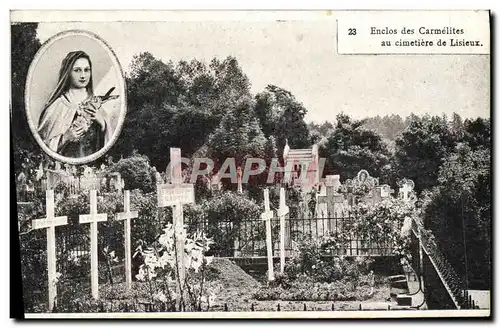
<point x="405" y="190"/>
<point x="93" y="218"/>
<point x="282" y="212"/>
<point x="126" y="216"/>
<point x="50" y="223"/>
<point x="267" y="216"/>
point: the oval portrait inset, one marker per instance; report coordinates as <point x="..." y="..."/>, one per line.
<point x="75" y="97"/>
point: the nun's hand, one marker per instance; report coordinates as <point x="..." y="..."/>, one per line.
<point x="73" y="134"/>
<point x="95" y="114"/>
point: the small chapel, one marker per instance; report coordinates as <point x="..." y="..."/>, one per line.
<point x="300" y="161"/>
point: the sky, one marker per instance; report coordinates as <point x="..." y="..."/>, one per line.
<point x="300" y="56"/>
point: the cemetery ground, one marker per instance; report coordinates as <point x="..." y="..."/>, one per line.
<point x="237" y="291"/>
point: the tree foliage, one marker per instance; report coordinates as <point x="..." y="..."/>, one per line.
<point x="458" y="211"/>
<point x="351" y="148"/>
<point x="24" y="45"/>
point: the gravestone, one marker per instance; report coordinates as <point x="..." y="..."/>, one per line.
<point x="89" y="180"/>
<point x="322" y="202"/>
<point x="406" y="189"/>
<point x="386" y="191"/>
<point x="336" y="201"/>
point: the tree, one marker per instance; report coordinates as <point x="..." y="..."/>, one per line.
<point x="458" y="211"/>
<point x="281" y="115"/>
<point x="24" y="45"/>
<point x="421" y="150"/>
<point x="478" y="133"/>
<point x="238" y="136"/>
<point x="177" y="105"/>
<point x="136" y="173"/>
<point x="351" y="148"/>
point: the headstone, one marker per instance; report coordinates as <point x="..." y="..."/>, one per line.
<point x="39" y="172"/>
<point x="322" y="202"/>
<point x="363" y="175"/>
<point x="282" y="212"/>
<point x="385" y="191"/>
<point x="93" y="218"/>
<point x="126" y="216"/>
<point x="176" y="194"/>
<point x="89" y="181"/>
<point x="406" y="187"/>
<point x="50" y="222"/>
<point x="159" y="179"/>
<point x="267" y="216"/>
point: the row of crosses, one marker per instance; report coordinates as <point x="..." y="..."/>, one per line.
<point x="266" y="216"/>
<point x="93" y="218"/>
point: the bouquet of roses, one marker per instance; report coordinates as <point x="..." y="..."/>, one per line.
<point x="83" y="117"/>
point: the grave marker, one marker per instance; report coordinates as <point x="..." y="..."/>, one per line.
<point x="406" y="188"/>
<point x="93" y="218"/>
<point x="50" y="223"/>
<point x="126" y="216"/>
<point x="267" y="216"/>
<point x="239" y="174"/>
<point x="282" y="212"/>
<point x="385" y="191"/>
<point x="176" y="194"/>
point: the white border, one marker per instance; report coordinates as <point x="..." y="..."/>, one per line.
<point x="271" y="315"/>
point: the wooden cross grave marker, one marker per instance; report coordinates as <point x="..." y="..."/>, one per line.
<point x="267" y="216"/>
<point x="50" y="223"/>
<point x="93" y="218"/>
<point x="176" y="194"/>
<point x="126" y="216"/>
<point x="282" y="212"/>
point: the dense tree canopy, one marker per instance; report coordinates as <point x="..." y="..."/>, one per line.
<point x="351" y="147"/>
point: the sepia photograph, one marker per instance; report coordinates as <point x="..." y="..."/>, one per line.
<point x="252" y="164"/>
<point x="73" y="93"/>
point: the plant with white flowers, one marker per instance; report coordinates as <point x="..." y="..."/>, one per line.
<point x="161" y="270"/>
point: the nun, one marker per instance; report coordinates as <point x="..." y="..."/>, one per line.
<point x="73" y="122"/>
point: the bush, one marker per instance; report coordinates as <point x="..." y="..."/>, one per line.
<point x="223" y="219"/>
<point x="137" y="173"/>
<point x="311" y="262"/>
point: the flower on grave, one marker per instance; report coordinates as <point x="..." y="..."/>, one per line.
<point x="160" y="296"/>
<point x="56" y="278"/>
<point x="166" y="260"/>
<point x="209" y="259"/>
<point x="145" y="274"/>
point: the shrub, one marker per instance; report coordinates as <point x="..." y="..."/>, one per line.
<point x="136" y="172"/>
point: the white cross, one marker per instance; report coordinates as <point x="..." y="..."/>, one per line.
<point x="93" y="218"/>
<point x="50" y="223"/>
<point x="282" y="212"/>
<point x="126" y="216"/>
<point x="267" y="216"/>
<point x="176" y="194"/>
<point x="406" y="189"/>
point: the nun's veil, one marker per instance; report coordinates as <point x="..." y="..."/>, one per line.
<point x="64" y="81"/>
